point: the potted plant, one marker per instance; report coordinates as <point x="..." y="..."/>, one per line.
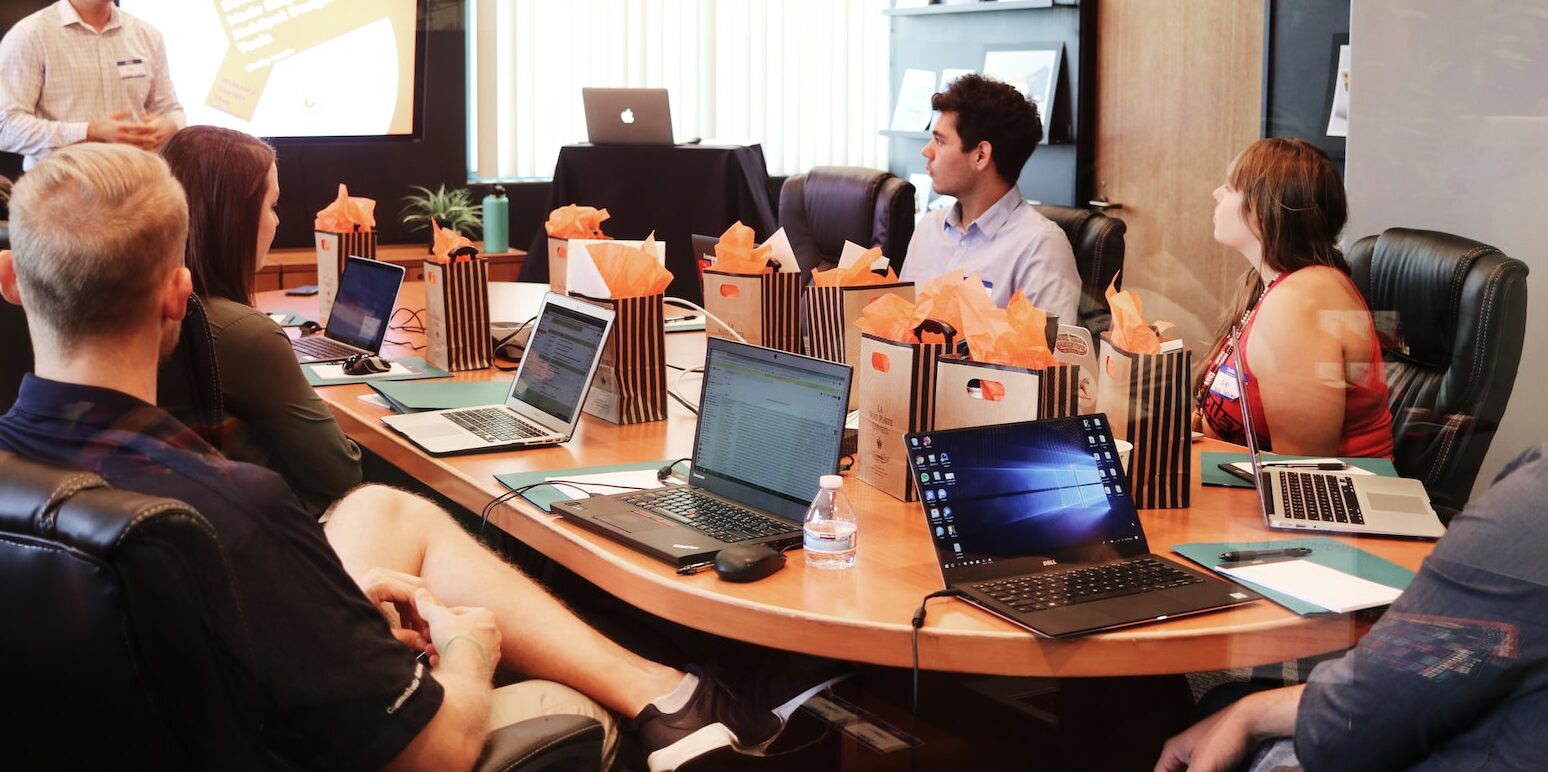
<point x="453" y="209"/>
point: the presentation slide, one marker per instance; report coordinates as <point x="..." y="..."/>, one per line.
<point x="291" y="68"/>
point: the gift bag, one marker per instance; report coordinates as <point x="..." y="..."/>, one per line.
<point x="765" y="309"/>
<point x="457" y="312"/>
<point x="831" y="313"/>
<point x="1148" y="402"/>
<point x="332" y="248"/>
<point x="969" y="393"/>
<point x="896" y="384"/>
<point x="558" y="265"/>
<point x="630" y="385"/>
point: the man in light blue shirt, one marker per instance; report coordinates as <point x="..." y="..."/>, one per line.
<point x="982" y="138"/>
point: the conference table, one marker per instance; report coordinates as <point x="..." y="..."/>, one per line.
<point x="862" y="614"/>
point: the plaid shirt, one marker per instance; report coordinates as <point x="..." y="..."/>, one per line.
<point x="57" y="74"/>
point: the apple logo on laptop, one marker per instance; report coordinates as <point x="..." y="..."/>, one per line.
<point x="627" y="116"/>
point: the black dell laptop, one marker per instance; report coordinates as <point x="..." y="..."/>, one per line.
<point x="1034" y="523"/>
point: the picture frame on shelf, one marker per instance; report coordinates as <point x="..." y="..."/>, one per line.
<point x="1033" y="68"/>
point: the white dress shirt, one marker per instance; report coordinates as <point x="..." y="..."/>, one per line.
<point x="58" y="74"/>
<point x="1011" y="246"/>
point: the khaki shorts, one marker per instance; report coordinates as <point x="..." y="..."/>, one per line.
<point x="531" y="699"/>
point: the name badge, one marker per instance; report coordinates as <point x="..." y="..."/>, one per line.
<point x="1225" y="383"/>
<point x="132" y="68"/>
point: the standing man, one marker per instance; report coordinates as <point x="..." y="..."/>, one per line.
<point x="982" y="138"/>
<point x="82" y="70"/>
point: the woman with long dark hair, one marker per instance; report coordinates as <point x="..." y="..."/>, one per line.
<point x="1314" y="372"/>
<point x="278" y="421"/>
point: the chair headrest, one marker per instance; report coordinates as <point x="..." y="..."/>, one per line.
<point x="74" y="508"/>
<point x="840" y="202"/>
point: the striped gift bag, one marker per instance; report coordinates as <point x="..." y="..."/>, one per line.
<point x="970" y="393"/>
<point x="332" y="248"/>
<point x="896" y="384"/>
<point x="1148" y="402"/>
<point x="630" y="385"/>
<point x="457" y="313"/>
<point x="765" y="309"/>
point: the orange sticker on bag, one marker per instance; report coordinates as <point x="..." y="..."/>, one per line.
<point x="879" y="362"/>
<point x="730" y="291"/>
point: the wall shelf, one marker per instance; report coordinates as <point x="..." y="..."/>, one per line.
<point x="979" y="7"/>
<point x="905" y="134"/>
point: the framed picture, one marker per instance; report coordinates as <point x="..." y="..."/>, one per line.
<point x="1033" y="69"/>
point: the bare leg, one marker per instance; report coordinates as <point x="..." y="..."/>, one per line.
<point x="376" y="526"/>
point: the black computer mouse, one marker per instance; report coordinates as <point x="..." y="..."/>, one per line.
<point x="365" y="365"/>
<point x="747" y="562"/>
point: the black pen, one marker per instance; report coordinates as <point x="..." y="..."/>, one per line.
<point x="687" y="318"/>
<point x="694" y="568"/>
<point x="1331" y="466"/>
<point x="1237" y="556"/>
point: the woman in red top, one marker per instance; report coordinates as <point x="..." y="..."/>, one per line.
<point x="1314" y="372"/>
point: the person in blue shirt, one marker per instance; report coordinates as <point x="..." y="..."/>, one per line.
<point x="983" y="136"/>
<point x="341" y="614"/>
<point x="1454" y="675"/>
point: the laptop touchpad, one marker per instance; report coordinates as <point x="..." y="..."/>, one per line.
<point x="1412" y="505"/>
<point x="631" y="522"/>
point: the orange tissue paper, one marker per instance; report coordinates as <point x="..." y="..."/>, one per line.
<point x="735" y="252"/>
<point x="1130" y="331"/>
<point x="1015" y="335"/>
<point x="857" y="274"/>
<point x="576" y="222"/>
<point x="347" y="214"/>
<point x="447" y="241"/>
<point x="630" y="272"/>
<point x="890" y="317"/>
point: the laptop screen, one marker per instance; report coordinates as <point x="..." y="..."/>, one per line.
<point x="367" y="291"/>
<point x="1036" y="491"/>
<point x="770" y="425"/>
<point x="557" y="364"/>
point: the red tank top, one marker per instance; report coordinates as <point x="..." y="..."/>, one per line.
<point x="1367" y="431"/>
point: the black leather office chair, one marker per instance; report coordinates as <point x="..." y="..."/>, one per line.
<point x="126" y="648"/>
<point x="829" y="205"/>
<point x="1098" y="244"/>
<point x="1451" y="313"/>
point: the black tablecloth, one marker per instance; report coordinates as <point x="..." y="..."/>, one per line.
<point x="675" y="190"/>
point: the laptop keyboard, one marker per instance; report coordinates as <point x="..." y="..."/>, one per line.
<point x="494" y="425"/>
<point x="710" y="516"/>
<point x="321" y="347"/>
<point x="1328" y="498"/>
<point x="1084" y="585"/>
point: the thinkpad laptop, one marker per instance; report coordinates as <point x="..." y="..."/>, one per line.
<point x="358" y="322"/>
<point x="627" y="116"/>
<point x="1034" y="523"/>
<point x="1307" y="500"/>
<point x="544" y="403"/>
<point x="770" y="424"/>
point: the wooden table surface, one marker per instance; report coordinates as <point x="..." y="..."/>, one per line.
<point x="862" y="614"/>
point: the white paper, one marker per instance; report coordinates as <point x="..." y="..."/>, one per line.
<point x="912" y="111"/>
<point x="1246" y="466"/>
<point x="335" y="371"/>
<point x="582" y="275"/>
<point x="375" y="400"/>
<point x="850" y="254"/>
<point x="1338" y="117"/>
<point x="603" y="483"/>
<point x="1315" y="583"/>
<point x="782" y="253"/>
<point x="280" y="318"/>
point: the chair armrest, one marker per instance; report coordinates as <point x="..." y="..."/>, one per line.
<point x="559" y="742"/>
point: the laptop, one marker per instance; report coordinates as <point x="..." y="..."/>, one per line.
<point x="770" y="424"/>
<point x="544" y="403"/>
<point x="627" y="116"/>
<point x="1340" y="502"/>
<point x="1034" y="523"/>
<point x="358" y="323"/>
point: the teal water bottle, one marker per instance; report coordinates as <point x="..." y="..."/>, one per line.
<point x="497" y="221"/>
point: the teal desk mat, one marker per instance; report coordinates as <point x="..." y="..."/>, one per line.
<point x="1327" y="552"/>
<point x="543" y="496"/>
<point x="1210" y="461"/>
<point x="415" y="396"/>
<point x="420" y="368"/>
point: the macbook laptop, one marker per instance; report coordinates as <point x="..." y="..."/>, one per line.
<point x="544" y="403"/>
<point x="358" y="323"/>
<point x="1308" y="500"/>
<point x="627" y="116"/>
<point x="1034" y="523"/>
<point x="770" y="423"/>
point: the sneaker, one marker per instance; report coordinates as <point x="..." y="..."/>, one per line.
<point x="745" y="714"/>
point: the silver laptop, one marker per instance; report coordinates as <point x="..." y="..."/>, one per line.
<point x="627" y="116"/>
<point x="1314" y="500"/>
<point x="544" y="403"/>
<point x="358" y="322"/>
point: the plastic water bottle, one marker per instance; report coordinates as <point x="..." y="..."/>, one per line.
<point x="497" y="221"/>
<point x="829" y="538"/>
